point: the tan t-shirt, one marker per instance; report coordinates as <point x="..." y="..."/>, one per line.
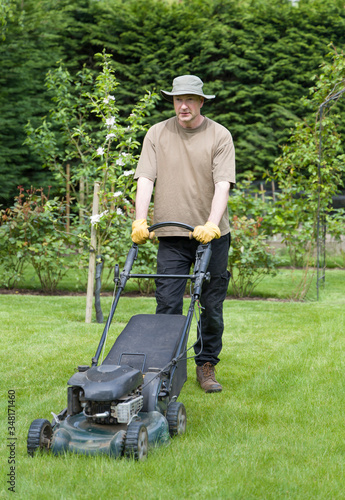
<point x="185" y="164"/>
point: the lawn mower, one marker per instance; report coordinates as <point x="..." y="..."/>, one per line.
<point x="128" y="403"/>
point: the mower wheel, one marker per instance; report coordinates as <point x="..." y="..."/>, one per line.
<point x="39" y="436"/>
<point x="177" y="418"/>
<point x="137" y="441"/>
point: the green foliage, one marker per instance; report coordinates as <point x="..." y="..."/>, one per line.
<point x="30" y="48"/>
<point x="258" y="57"/>
<point x="13" y="250"/>
<point x="307" y="180"/>
<point x="34" y="231"/>
<point x="146" y="264"/>
<point x="6" y="13"/>
<point x="246" y="200"/>
<point x="63" y="135"/>
<point x="306" y="184"/>
<point x="85" y="130"/>
<point x="251" y="258"/>
<point x="297" y="174"/>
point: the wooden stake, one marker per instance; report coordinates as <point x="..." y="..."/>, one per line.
<point x="92" y="258"/>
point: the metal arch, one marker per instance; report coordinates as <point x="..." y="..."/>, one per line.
<point x="321" y="220"/>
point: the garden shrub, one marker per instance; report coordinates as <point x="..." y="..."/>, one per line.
<point x="34" y="230"/>
<point x="250" y="258"/>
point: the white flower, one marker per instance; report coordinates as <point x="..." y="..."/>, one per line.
<point x="121" y="159"/>
<point x="100" y="151"/>
<point x="128" y="173"/>
<point x="94" y="219"/>
<point x="117" y="194"/>
<point x="110" y="136"/>
<point x="108" y="98"/>
<point x="119" y="211"/>
<point x="110" y="121"/>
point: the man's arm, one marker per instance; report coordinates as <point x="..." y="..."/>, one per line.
<point x="219" y="202"/>
<point x="143" y="197"/>
<point x="210" y="230"/>
<point x="140" y="232"/>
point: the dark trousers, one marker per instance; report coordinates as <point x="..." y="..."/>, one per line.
<point x="175" y="256"/>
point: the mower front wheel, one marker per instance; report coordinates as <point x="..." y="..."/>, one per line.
<point x="137" y="441"/>
<point x="177" y="418"/>
<point x="39" y="436"/>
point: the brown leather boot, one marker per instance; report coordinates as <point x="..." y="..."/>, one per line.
<point x="206" y="377"/>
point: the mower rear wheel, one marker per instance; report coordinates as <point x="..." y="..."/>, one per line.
<point x="177" y="418"/>
<point x="137" y="441"/>
<point x="39" y="436"/>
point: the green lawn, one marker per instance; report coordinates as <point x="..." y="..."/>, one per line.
<point x="280" y="286"/>
<point x="275" y="432"/>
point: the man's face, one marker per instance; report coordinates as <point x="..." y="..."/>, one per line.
<point x="187" y="109"/>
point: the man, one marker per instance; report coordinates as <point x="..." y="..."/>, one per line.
<point x="191" y="161"/>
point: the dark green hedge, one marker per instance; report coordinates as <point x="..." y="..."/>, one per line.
<point x="258" y="57"/>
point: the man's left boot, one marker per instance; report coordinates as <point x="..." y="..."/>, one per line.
<point x="206" y="377"/>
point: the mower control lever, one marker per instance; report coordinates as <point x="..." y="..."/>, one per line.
<point x="117" y="274"/>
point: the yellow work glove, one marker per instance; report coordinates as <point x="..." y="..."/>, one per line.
<point x="206" y="233"/>
<point x="140" y="232"/>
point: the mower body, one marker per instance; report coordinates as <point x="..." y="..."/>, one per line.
<point x="103" y="400"/>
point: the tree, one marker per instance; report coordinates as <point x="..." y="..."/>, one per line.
<point x="84" y="129"/>
<point x="26" y="54"/>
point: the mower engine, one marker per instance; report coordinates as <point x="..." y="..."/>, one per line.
<point x="106" y="394"/>
<point x="112" y="413"/>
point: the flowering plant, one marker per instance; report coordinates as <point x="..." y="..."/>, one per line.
<point x="117" y="152"/>
<point x="86" y="131"/>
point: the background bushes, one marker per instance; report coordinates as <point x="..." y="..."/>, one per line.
<point x="258" y="57"/>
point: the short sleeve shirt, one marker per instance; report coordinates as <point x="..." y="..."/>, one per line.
<point x="185" y="165"/>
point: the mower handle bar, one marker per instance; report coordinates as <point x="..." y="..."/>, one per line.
<point x="152" y="228"/>
<point x="158" y="225"/>
<point x="125" y="275"/>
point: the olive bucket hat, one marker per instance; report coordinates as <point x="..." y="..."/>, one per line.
<point x="186" y="85"/>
